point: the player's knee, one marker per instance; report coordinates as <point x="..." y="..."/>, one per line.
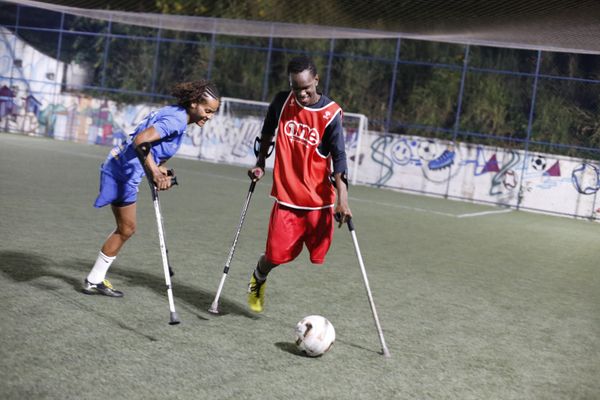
<point x="126" y="230"/>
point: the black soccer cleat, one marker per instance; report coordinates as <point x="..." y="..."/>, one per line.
<point x="103" y="287"/>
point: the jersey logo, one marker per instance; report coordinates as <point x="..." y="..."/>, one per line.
<point x="327" y="115"/>
<point x="305" y="134"/>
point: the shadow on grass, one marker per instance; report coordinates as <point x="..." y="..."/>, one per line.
<point x="290" y="348"/>
<point x="27" y="267"/>
<point x="197" y="298"/>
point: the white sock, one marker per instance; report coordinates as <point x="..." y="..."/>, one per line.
<point x="100" y="268"/>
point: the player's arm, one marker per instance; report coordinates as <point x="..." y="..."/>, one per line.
<point x="334" y="135"/>
<point x="341" y="207"/>
<point x="159" y="173"/>
<point x="258" y="170"/>
<point x="266" y="139"/>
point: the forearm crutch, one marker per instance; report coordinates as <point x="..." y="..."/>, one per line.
<point x="384" y="348"/>
<point x="214" y="308"/>
<point x="142" y="151"/>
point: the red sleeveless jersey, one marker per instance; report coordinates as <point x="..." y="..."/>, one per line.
<point x="301" y="173"/>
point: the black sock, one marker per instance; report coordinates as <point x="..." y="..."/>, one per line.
<point x="259" y="276"/>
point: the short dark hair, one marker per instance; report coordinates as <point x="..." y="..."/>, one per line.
<point x="301" y="63"/>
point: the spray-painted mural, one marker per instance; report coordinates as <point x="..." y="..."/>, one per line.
<point x="541" y="182"/>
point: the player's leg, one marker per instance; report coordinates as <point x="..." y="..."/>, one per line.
<point x="122" y="197"/>
<point x="125" y="218"/>
<point x="319" y="233"/>
<point x="96" y="282"/>
<point x="263" y="267"/>
<point x="258" y="284"/>
<point x="284" y="243"/>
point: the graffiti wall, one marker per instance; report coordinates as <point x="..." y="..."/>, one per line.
<point x="539" y="182"/>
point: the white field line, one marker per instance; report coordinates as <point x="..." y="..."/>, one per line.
<point x="403" y="207"/>
<point x="479" y="214"/>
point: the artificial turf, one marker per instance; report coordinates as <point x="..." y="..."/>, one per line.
<point x="494" y="306"/>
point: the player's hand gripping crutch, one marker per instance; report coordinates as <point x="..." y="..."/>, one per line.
<point x="214" y="307"/>
<point x="384" y="348"/>
<point x="142" y="152"/>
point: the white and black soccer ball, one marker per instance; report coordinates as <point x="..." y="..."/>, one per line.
<point x="427" y="150"/>
<point x="315" y="335"/>
<point x="538" y="162"/>
<point x="586" y="178"/>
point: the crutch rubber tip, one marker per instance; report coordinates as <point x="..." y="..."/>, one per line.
<point x="386" y="353"/>
<point x="214" y="309"/>
<point x="174" y="319"/>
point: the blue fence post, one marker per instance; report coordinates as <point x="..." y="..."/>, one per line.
<point x="105" y="57"/>
<point x="59" y="45"/>
<point x="156" y="51"/>
<point x="265" y="91"/>
<point x="57" y="90"/>
<point x="12" y="64"/>
<point x="390" y="106"/>
<point x="529" y="126"/>
<point x="329" y="63"/>
<point x="211" y="57"/>
<point x="459" y="102"/>
<point x="461" y="92"/>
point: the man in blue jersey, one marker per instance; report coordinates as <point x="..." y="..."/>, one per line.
<point x="122" y="171"/>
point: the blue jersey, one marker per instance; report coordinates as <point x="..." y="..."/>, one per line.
<point x="170" y="122"/>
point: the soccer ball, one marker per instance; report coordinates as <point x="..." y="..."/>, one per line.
<point x="538" y="162"/>
<point x="427" y="150"/>
<point x="314" y="335"/>
<point x="586" y="178"/>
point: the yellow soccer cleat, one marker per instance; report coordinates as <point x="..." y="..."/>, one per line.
<point x="256" y="294"/>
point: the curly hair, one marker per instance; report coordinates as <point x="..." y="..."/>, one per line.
<point x="301" y="63"/>
<point x="194" y="91"/>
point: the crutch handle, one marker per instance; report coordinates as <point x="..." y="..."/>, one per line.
<point x="338" y="218"/>
<point x="171" y="173"/>
<point x="350" y="224"/>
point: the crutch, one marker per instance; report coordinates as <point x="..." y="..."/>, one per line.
<point x="214" y="308"/>
<point x="142" y="151"/>
<point x="384" y="348"/>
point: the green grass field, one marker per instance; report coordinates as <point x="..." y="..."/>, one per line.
<point x="475" y="302"/>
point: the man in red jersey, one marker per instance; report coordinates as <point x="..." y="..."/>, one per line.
<point x="309" y="139"/>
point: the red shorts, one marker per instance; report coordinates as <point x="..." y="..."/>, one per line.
<point x="289" y="228"/>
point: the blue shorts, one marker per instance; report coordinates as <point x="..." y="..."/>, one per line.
<point x="115" y="192"/>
